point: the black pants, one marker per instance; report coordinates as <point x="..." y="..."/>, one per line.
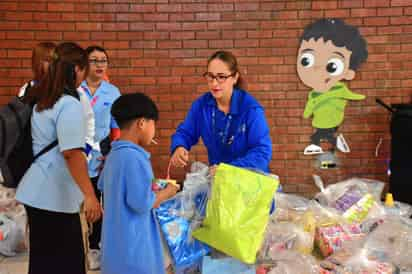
<point x="328" y="134"/>
<point x="56" y="244"/>
<point x="94" y="238"/>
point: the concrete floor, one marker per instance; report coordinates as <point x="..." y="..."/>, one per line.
<point x="18" y="265"/>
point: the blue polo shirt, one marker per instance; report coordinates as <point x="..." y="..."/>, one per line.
<point x="101" y="103"/>
<point x="48" y="183"/>
<point x="130" y="233"/>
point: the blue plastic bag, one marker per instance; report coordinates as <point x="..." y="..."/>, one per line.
<point x="177" y="218"/>
<point x="227" y="265"/>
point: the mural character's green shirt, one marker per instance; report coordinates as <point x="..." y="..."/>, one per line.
<point x="328" y="108"/>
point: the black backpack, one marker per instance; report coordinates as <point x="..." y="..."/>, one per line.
<point x="16" y="144"/>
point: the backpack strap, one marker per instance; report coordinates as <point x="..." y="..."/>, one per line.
<point x="45" y="150"/>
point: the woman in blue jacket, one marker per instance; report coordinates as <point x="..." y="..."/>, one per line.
<point x="229" y="120"/>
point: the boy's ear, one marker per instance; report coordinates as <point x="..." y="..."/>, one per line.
<point x="349" y="75"/>
<point x="140" y="123"/>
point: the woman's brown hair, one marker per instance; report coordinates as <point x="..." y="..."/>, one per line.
<point x="42" y="52"/>
<point x="230" y="60"/>
<point x="61" y="77"/>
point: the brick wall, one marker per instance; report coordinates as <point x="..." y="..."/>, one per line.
<point x="160" y="47"/>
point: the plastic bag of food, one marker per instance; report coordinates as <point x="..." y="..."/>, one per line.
<point x="237" y="212"/>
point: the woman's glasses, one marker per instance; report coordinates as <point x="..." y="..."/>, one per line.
<point x="220" y="78"/>
<point x="98" y="62"/>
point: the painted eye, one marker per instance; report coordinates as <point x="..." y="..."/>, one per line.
<point x="307" y="60"/>
<point x="335" y="66"/>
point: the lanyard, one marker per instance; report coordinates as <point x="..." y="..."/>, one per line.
<point x="93" y="99"/>
<point x="225" y="140"/>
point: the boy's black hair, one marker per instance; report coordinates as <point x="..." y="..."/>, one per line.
<point x="341" y="35"/>
<point x="133" y="106"/>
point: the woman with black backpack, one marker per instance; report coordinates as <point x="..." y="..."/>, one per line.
<point x="57" y="183"/>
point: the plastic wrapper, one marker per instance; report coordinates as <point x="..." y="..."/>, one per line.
<point x="355" y="261"/>
<point x="11" y="236"/>
<point x="225" y="265"/>
<point x="178" y="217"/>
<point x="329" y="239"/>
<point x="343" y="195"/>
<point x="289" y="262"/>
<point x="392" y="241"/>
<point x="237" y="212"/>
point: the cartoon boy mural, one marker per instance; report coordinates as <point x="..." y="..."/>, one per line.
<point x="330" y="51"/>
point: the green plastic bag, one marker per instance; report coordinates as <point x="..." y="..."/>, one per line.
<point x="237" y="212"/>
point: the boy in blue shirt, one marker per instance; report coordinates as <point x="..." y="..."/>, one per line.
<point x="131" y="240"/>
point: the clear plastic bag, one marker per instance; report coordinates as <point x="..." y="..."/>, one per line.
<point x="391" y="241"/>
<point x="290" y="262"/>
<point x="12" y="236"/>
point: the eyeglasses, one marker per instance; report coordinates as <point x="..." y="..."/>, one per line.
<point x="96" y="61"/>
<point x="220" y="78"/>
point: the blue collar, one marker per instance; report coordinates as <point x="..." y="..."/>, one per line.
<point x="103" y="88"/>
<point x="123" y="143"/>
<point x="234" y="101"/>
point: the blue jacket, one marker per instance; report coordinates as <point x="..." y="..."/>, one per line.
<point x="240" y="138"/>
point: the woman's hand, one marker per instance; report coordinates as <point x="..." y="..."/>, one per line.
<point x="180" y="157"/>
<point x="92" y="208"/>
<point x="212" y="170"/>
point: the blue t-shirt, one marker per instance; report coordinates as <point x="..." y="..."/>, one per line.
<point x="130" y="233"/>
<point x="101" y="102"/>
<point x="48" y="183"/>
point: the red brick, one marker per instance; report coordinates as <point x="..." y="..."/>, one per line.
<point x="143" y="8"/>
<point x="168" y="26"/>
<point x="116" y="44"/>
<point x="246" y="6"/>
<point x="181" y="17"/>
<point x="49" y="35"/>
<point x="129" y="35"/>
<point x="55" y="27"/>
<point x="19" y="53"/>
<point x="143" y="44"/>
<point x="88" y="26"/>
<point x="376" y="21"/>
<point x="156" y="53"/>
<point x="47" y="16"/>
<point x="196" y="44"/>
<point x="102" y="17"/>
<point x="143" y="80"/>
<point x="377" y="3"/>
<point x="155" y="17"/>
<point x="143" y="62"/>
<point x="157" y="71"/>
<point x="194" y="7"/>
<point x="194" y="26"/>
<point x="324" y="5"/>
<point x="246" y="43"/>
<point x="207" y="35"/>
<point x="18" y="16"/>
<point x="77" y="17"/>
<point x="156" y="35"/>
<point x="8" y="6"/>
<point x="129" y="17"/>
<point x="116" y="8"/>
<point x="220" y="7"/>
<point x="169" y="44"/>
<point x="208" y="16"/>
<point x="103" y="35"/>
<point x="337" y="13"/>
<point x="185" y="53"/>
<point x="78" y="36"/>
<point x="60" y="7"/>
<point x="405" y="3"/>
<point x="169" y="8"/>
<point x="390" y="11"/>
<point x="182" y="35"/>
<point x="117" y="26"/>
<point x="216" y="44"/>
<point x="129" y="53"/>
<point x="19" y="35"/>
<point x="401" y="20"/>
<point x="29" y="25"/>
<point x="363" y="12"/>
<point x="350" y="4"/>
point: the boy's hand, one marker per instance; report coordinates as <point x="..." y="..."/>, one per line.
<point x="172" y="189"/>
<point x="212" y="170"/>
<point x="92" y="208"/>
<point x="180" y="157"/>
